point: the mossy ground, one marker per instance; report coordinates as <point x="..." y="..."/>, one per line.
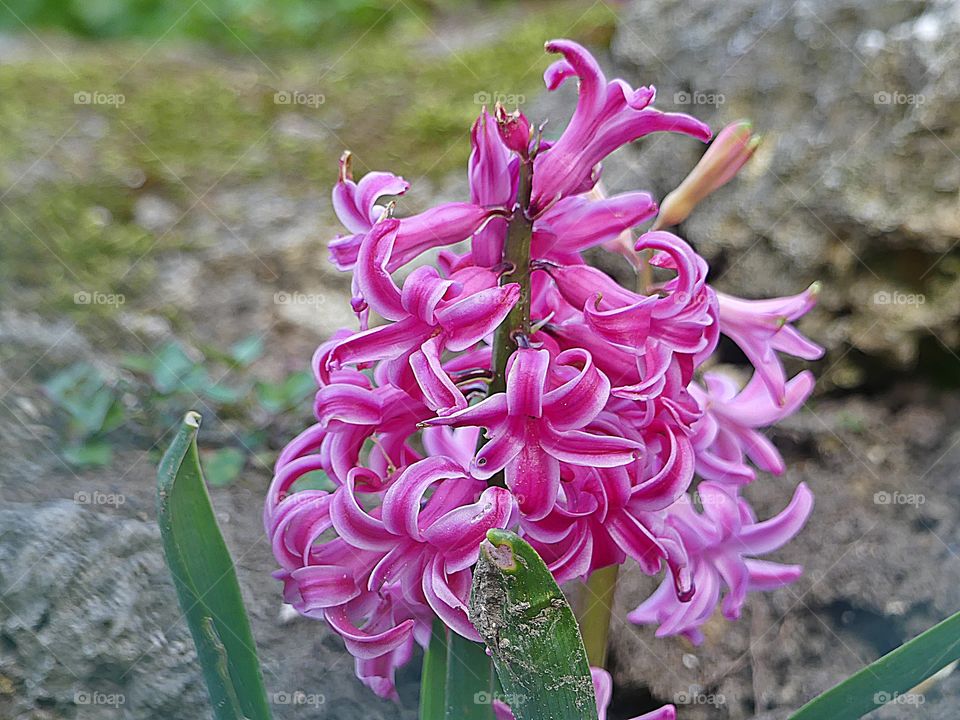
<point x="98" y="134"/>
<point x="193" y="119"/>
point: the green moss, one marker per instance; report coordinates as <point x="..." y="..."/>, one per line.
<point x="190" y="121"/>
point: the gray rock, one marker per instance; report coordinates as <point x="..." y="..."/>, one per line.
<point x="90" y="626"/>
<point x="857" y="183"/>
<point x="88" y="618"/>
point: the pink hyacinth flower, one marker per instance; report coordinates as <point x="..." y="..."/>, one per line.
<point x="533" y="427"/>
<point x="728" y="431"/>
<point x="594" y="446"/>
<point x="722" y="543"/>
<point x="608" y="115"/>
<point x="762" y="328"/>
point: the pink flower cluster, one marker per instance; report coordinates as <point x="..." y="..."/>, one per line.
<point x="604" y="428"/>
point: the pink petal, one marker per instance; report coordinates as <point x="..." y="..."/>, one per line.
<point x="367" y="645"/>
<point x="580" y="448"/>
<point x="422" y="292"/>
<point x="769" y="535"/>
<point x="487" y="413"/>
<point x="323" y="586"/>
<point x="637" y="541"/>
<point x="402" y="501"/>
<point x="441" y="225"/>
<point x="354" y="524"/>
<point x="534" y="478"/>
<point x="495" y="455"/>
<point x="468" y="320"/>
<point x="386" y="342"/>
<point x="580" y="399"/>
<point x="440" y="392"/>
<point x="458" y="533"/>
<point x="769" y="575"/>
<point x="378" y="288"/>
<point x="526" y="375"/>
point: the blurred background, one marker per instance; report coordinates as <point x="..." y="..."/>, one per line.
<point x="165" y="175"/>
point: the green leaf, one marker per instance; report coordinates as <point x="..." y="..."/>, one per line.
<point x="277" y="397"/>
<point x="247" y="350"/>
<point x="433" y="678"/>
<point x="206" y="583"/>
<point x="222" y="394"/>
<point x="223" y="466"/>
<point x="139" y="363"/>
<point x="83" y="393"/>
<point x="469" y="681"/>
<point x="890" y="677"/>
<point x="89" y="454"/>
<point x="171" y="365"/>
<point x="531" y="631"/>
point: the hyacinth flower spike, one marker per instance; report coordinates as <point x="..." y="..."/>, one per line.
<point x="496" y="380"/>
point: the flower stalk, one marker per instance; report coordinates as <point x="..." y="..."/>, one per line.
<point x="516" y="254"/>
<point x="596" y="610"/>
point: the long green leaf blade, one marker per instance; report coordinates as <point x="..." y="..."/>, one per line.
<point x="531" y="631"/>
<point x="206" y="582"/>
<point x="889" y="677"/>
<point x="469" y="683"/>
<point x="433" y="678"/>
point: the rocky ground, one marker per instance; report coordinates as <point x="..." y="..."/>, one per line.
<point x="200" y="200"/>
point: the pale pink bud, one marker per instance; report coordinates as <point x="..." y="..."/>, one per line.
<point x="731" y="149"/>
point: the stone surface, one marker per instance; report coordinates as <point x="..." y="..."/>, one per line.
<point x="858" y="181"/>
<point x="90" y="626"/>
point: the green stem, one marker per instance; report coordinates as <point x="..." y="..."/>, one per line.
<point x="516" y="252"/>
<point x="595" y="611"/>
<point x="645" y="274"/>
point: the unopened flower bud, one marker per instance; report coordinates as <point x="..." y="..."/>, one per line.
<point x="731" y="149"/>
<point x="514" y="130"/>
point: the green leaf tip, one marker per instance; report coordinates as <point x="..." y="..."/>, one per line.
<point x="499" y="550"/>
<point x="205" y="580"/>
<point x="531" y="632"/>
